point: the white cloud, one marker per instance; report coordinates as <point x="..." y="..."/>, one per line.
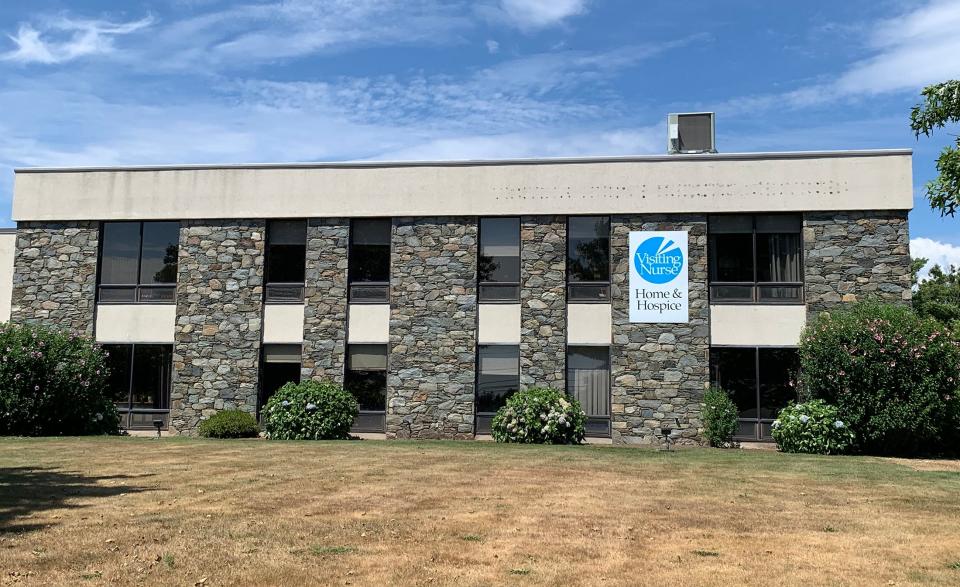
<point x="63" y="39"/>
<point x="542" y="13"/>
<point x="493" y="46"/>
<point x="938" y="253"/>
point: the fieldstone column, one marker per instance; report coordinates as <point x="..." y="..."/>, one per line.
<point x="55" y="275"/>
<point x="219" y="316"/>
<point x="325" y="315"/>
<point x="433" y="324"/>
<point x="543" y="301"/>
<point x="851" y="256"/>
<point x="659" y="372"/>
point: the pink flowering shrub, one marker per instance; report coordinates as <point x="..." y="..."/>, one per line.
<point x="893" y="376"/>
<point x="53" y="384"/>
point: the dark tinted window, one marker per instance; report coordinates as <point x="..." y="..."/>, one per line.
<point x="498" y="376"/>
<point x="760" y="381"/>
<point x="369" y="250"/>
<point x="366" y="375"/>
<point x="286" y="251"/>
<point x="120" y="254"/>
<point x="588" y="248"/>
<point x="158" y="259"/>
<point x="755" y="258"/>
<point x="499" y="250"/>
<point x="139" y="381"/>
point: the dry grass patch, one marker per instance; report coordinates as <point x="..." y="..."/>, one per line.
<point x="181" y="511"/>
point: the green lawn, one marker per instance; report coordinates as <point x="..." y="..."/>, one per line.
<point x="185" y="511"/>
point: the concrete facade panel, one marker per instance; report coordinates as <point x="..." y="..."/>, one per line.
<point x="283" y="323"/>
<point x="369" y="323"/>
<point x="756" y="324"/>
<point x="498" y="324"/>
<point x="136" y="323"/>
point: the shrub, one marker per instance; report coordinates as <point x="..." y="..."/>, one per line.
<point x="539" y="416"/>
<point x="720" y="417"/>
<point x="52" y="383"/>
<point x="230" y="424"/>
<point x="812" y="427"/>
<point x="310" y="410"/>
<point x="894" y="376"/>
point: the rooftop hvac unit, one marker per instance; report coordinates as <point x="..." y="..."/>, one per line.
<point x="693" y="132"/>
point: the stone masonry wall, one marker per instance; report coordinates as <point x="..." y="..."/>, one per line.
<point x="852" y="256"/>
<point x="219" y="316"/>
<point x="543" y="301"/>
<point x="325" y="321"/>
<point x="659" y="372"/>
<point x="433" y="317"/>
<point x="55" y="275"/>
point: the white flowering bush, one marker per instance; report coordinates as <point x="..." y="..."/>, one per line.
<point x="53" y="383"/>
<point x="812" y="427"/>
<point x="311" y="410"/>
<point x="539" y="416"/>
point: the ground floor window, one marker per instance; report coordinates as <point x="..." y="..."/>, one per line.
<point x="366" y="379"/>
<point x="140" y="382"/>
<point x="588" y="380"/>
<point x="280" y="365"/>
<point x="498" y="377"/>
<point x="761" y="381"/>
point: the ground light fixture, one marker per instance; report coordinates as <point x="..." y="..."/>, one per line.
<point x="665" y="430"/>
<point x="158" y="424"/>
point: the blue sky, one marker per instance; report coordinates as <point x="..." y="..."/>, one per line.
<point x="97" y="82"/>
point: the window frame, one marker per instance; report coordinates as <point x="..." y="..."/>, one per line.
<point x="262" y="364"/>
<point x="127" y="412"/>
<point x="136" y="287"/>
<point x="371" y="421"/>
<point x="569" y="285"/>
<point x="504" y="284"/>
<point x="755" y="284"/>
<point x="566" y="388"/>
<point x="351" y="298"/>
<point x="487" y="417"/>
<point x="275" y="287"/>
<point x="758" y="422"/>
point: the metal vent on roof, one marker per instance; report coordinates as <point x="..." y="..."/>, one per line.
<point x="691" y="133"/>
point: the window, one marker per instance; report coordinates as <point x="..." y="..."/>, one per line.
<point x="280" y="365"/>
<point x="761" y="382"/>
<point x="138" y="262"/>
<point x="286" y="260"/>
<point x="369" y="262"/>
<point x="499" y="262"/>
<point x="588" y="259"/>
<point x="140" y="382"/>
<point x="588" y="381"/>
<point x="498" y="377"/>
<point x="366" y="379"/>
<point x="755" y="259"/>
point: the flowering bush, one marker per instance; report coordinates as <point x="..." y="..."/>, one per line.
<point x="720" y="418"/>
<point x="310" y="410"/>
<point x="539" y="416"/>
<point x="812" y="427"/>
<point x="53" y="383"/>
<point x="893" y="375"/>
<point x="230" y="424"/>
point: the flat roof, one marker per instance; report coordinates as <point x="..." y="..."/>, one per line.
<point x="481" y="162"/>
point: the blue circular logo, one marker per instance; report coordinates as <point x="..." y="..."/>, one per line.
<point x="658" y="260"/>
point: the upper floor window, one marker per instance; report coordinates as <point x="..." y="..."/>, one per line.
<point x="138" y="262"/>
<point x="369" y="262"/>
<point x="588" y="259"/>
<point x="756" y="259"/>
<point x="286" y="260"/>
<point x="499" y="263"/>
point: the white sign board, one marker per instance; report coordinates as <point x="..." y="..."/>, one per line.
<point x="659" y="288"/>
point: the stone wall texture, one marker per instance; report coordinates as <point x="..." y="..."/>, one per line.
<point x="659" y="372"/>
<point x="543" y="301"/>
<point x="852" y="256"/>
<point x="325" y="315"/>
<point x="433" y="318"/>
<point x="55" y="275"/>
<point x="219" y="317"/>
